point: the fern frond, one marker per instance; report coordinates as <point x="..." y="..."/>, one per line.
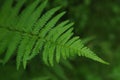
<point x="28" y="33"/>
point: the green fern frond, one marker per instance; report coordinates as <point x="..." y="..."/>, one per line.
<point x="28" y="33"/>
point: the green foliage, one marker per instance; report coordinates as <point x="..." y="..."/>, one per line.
<point x="36" y="34"/>
<point x="28" y="33"/>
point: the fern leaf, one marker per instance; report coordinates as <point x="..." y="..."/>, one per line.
<point x="29" y="33"/>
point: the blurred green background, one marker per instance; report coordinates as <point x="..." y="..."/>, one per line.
<point x="97" y="22"/>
